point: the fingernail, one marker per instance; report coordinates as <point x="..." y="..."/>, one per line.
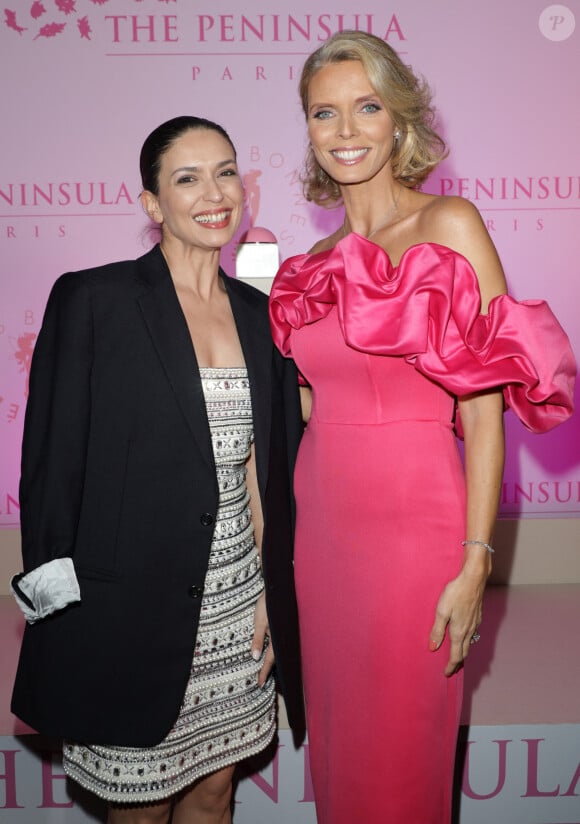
<point x="432" y="645"/>
<point x="256" y="654"/>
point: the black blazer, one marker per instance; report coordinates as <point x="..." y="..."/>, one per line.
<point x="118" y="473"/>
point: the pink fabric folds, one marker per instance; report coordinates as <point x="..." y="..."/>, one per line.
<point x="427" y="310"/>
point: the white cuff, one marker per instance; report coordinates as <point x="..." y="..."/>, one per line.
<point x="46" y="589"/>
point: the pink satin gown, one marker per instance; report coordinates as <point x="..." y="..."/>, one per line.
<point x="381" y="504"/>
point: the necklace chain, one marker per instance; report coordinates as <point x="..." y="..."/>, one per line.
<point x="390" y="213"/>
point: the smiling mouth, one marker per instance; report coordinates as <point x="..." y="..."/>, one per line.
<point x="348" y="155"/>
<point x="214" y="219"/>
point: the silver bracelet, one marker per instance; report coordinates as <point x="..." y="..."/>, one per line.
<point x="479" y="543"/>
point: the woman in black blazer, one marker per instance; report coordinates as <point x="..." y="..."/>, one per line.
<point x="160" y="437"/>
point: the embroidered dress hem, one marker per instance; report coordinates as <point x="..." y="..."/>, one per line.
<point x="152" y="791"/>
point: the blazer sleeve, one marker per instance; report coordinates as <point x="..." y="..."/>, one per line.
<point x="54" y="449"/>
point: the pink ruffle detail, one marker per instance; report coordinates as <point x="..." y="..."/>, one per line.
<point x="427" y="310"/>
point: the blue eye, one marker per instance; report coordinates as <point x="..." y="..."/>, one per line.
<point x="371" y="108"/>
<point x="322" y="115"/>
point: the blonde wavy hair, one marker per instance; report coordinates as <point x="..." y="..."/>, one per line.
<point x="406" y="97"/>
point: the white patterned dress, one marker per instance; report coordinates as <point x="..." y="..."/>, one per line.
<point x="225" y="716"/>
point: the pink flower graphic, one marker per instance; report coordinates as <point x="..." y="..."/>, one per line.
<point x="66" y="6"/>
<point x="50" y="30"/>
<point x="62" y="7"/>
<point x="37" y="10"/>
<point x="252" y="193"/>
<point x="23" y="353"/>
<point x="10" y="20"/>
<point x="84" y="28"/>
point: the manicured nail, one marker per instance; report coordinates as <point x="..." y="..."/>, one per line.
<point x="256" y="654"/>
<point x="432" y="645"/>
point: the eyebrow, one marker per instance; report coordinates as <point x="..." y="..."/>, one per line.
<point x="220" y="165"/>
<point x="363" y="99"/>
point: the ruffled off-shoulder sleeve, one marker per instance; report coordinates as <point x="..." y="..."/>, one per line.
<point x="427" y="310"/>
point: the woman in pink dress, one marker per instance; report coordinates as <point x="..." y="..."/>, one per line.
<point x="400" y="324"/>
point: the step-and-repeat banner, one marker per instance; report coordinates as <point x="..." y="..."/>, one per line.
<point x="84" y="81"/>
<point x="510" y="775"/>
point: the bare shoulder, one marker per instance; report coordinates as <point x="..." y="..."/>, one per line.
<point x="326" y="243"/>
<point x="456" y="223"/>
<point x="319" y="246"/>
<point x="451" y="219"/>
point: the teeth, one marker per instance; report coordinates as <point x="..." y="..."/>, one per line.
<point x="349" y="154"/>
<point x="215" y="218"/>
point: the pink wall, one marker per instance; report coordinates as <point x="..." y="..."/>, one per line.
<point x="84" y="81"/>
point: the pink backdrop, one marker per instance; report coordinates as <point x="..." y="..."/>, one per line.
<point x="84" y="81"/>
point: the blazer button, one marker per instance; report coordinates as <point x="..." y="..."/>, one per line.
<point x="195" y="592"/>
<point x="206" y="519"/>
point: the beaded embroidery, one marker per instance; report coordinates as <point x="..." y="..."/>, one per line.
<point x="225" y="716"/>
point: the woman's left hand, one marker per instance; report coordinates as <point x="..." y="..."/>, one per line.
<point x="261" y="642"/>
<point x="459" y="611"/>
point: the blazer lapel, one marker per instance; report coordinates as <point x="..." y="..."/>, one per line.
<point x="254" y="332"/>
<point x="170" y="335"/>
